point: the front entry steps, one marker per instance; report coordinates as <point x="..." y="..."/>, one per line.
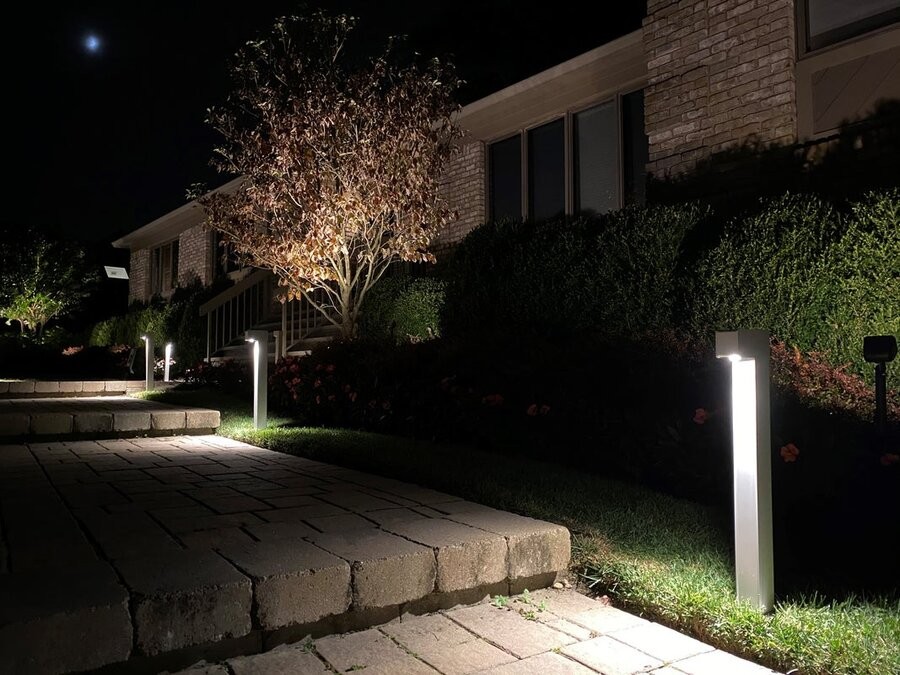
<point x="98" y="417"/>
<point x="200" y="547"/>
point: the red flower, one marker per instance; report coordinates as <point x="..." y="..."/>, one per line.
<point x="317" y="383"/>
<point x="532" y="410"/>
<point x="329" y="368"/>
<point x="889" y="458"/>
<point x="790" y="452"/>
<point x="493" y="400"/>
<point x="700" y="416"/>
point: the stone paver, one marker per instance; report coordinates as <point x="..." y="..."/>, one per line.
<point x="611" y="657"/>
<point x="294" y="581"/>
<point x="548" y="663"/>
<point x="668" y="644"/>
<point x="186" y="598"/>
<point x="507" y="629"/>
<point x="73" y="619"/>
<point x="466" y="557"/>
<point x="717" y="662"/>
<point x="293" y="659"/>
<point x="371" y="651"/>
<point x="387" y="569"/>
<point x="445" y="645"/>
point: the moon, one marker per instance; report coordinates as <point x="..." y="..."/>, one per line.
<point x="92" y="43"/>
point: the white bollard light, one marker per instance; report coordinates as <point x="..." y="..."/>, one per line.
<point x="168" y="361"/>
<point x="148" y="361"/>
<point x="748" y="352"/>
<point x="259" y="344"/>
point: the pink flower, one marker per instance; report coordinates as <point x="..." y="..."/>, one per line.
<point x="329" y="368"/>
<point x="493" y="400"/>
<point x="790" y="452"/>
<point x="889" y="458"/>
<point x="700" y="416"/>
<point x="532" y="410"/>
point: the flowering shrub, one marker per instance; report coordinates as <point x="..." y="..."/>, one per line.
<point x="228" y="375"/>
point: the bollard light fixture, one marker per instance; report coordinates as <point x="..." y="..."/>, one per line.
<point x="748" y="351"/>
<point x="148" y="362"/>
<point x="168" y="362"/>
<point x="259" y="342"/>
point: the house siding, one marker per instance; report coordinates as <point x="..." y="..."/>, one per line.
<point x="195" y="259"/>
<point x="463" y="186"/>
<point x="720" y="75"/>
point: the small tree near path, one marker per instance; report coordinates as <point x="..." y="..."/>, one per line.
<point x="341" y="160"/>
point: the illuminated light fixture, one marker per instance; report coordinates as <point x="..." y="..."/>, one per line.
<point x="168" y="361"/>
<point x="748" y="352"/>
<point x="259" y="341"/>
<point x="148" y="361"/>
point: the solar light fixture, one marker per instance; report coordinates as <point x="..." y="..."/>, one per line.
<point x="259" y="342"/>
<point x="148" y="361"/>
<point x="748" y="352"/>
<point x="880" y="350"/>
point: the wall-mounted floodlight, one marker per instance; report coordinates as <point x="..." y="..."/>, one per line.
<point x="259" y="343"/>
<point x="148" y="361"/>
<point x="168" y="362"/>
<point x="748" y="351"/>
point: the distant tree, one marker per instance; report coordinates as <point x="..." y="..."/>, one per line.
<point x="40" y="280"/>
<point x="341" y="160"/>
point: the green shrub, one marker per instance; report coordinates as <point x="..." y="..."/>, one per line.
<point x="815" y="278"/>
<point x="404" y="308"/>
<point x="127" y="329"/>
<point x="620" y="273"/>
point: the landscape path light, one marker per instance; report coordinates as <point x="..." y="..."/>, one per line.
<point x="168" y="361"/>
<point x="148" y="361"/>
<point x="748" y="351"/>
<point x="259" y="344"/>
<point x="880" y="350"/>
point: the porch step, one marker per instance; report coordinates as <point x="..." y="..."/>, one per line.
<point x="68" y="388"/>
<point x="99" y="417"/>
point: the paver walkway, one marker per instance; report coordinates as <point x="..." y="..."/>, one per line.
<point x="162" y="551"/>
<point x="547" y="632"/>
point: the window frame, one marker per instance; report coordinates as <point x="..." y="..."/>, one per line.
<point x="158" y="255"/>
<point x="804" y="42"/>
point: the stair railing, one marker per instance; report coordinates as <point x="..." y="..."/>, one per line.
<point x="237" y="309"/>
<point x="299" y="318"/>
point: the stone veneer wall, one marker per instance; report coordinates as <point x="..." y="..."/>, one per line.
<point x="139" y="276"/>
<point x="720" y="74"/>
<point x="463" y="187"/>
<point x="195" y="259"/>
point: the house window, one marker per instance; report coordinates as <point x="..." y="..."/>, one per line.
<point x="164" y="268"/>
<point x="226" y="260"/>
<point x="594" y="160"/>
<point x="547" y="170"/>
<point x="831" y="21"/>
<point x="505" y="159"/>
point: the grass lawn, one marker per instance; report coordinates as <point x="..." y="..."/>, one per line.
<point x="665" y="558"/>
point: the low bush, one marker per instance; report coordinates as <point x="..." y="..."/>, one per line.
<point x="232" y="377"/>
<point x="404" y="308"/>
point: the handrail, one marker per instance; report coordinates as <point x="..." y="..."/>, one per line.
<point x="230" y="293"/>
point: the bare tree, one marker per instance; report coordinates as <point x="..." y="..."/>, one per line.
<point x="341" y="160"/>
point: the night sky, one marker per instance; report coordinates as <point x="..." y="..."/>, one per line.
<point x="105" y="141"/>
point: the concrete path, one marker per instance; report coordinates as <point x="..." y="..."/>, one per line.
<point x="548" y="632"/>
<point x="98" y="417"/>
<point x="161" y="551"/>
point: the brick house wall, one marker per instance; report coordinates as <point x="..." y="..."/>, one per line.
<point x="463" y="185"/>
<point x="720" y="75"/>
<point x="139" y="276"/>
<point x="195" y="257"/>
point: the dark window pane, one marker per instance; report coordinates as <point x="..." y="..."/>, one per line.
<point x="174" y="280"/>
<point x="547" y="171"/>
<point x="596" y="159"/>
<point x="634" y="148"/>
<point x="830" y="21"/>
<point x="506" y="179"/>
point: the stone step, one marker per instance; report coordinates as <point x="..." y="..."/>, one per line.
<point x="245" y="549"/>
<point x="99" y="417"/>
<point x="67" y="388"/>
